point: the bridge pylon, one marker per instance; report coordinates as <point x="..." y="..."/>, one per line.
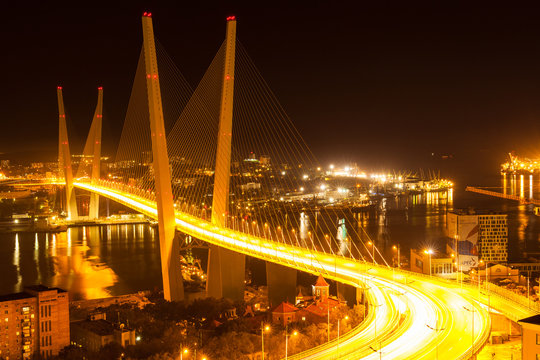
<point x="95" y="137"/>
<point x="173" y="286"/>
<point x="226" y="269"/>
<point x="64" y="158"/>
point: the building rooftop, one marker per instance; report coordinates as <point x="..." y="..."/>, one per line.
<point x="100" y="327"/>
<point x="285" y="307"/>
<point x="321" y="282"/>
<point x="15" y="296"/>
<point x="29" y="292"/>
<point x="476" y="212"/>
<point x="535" y="320"/>
<point x="40" y="287"/>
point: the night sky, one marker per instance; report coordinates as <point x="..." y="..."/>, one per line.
<point x="384" y="84"/>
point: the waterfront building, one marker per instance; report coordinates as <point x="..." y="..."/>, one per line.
<point x="481" y="235"/>
<point x="34" y="322"/>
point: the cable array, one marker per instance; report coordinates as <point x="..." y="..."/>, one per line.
<point x="277" y="188"/>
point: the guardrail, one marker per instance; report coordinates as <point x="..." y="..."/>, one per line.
<point x="510" y="295"/>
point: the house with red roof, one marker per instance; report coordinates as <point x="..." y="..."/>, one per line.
<point x="284" y="313"/>
<point x="314" y="309"/>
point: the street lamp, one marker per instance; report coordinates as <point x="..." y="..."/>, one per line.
<point x="370" y="243"/>
<point x="377" y="351"/>
<point x="182" y="352"/>
<point x="472" y="311"/>
<point x="437" y="345"/>
<point x="429" y="252"/>
<point x="396" y="247"/>
<point x="294" y="333"/>
<point x="338" y="321"/>
<point x="375" y="306"/>
<point x="263" y="329"/>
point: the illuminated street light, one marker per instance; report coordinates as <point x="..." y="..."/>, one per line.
<point x="338" y="323"/>
<point x="398" y="255"/>
<point x="370" y="243"/>
<point x="472" y="311"/>
<point x="429" y="252"/>
<point x="287" y="339"/>
<point x="263" y="329"/>
<point x="185" y="351"/>
<point x="377" y="351"/>
<point x="437" y="343"/>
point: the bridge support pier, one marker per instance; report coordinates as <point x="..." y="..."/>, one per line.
<point x="173" y="285"/>
<point x="349" y="293"/>
<point x="281" y="282"/>
<point x="226" y="274"/>
<point x="64" y="159"/>
<point x="226" y="269"/>
<point x="94" y="138"/>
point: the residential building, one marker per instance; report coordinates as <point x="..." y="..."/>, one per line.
<point x="34" y="322"/>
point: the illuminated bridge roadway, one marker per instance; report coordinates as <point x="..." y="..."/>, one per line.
<point x="410" y="316"/>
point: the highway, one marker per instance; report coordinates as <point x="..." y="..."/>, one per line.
<point x="422" y="299"/>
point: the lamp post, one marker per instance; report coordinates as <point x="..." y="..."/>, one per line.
<point x="345" y="318"/>
<point x="328" y="319"/>
<point x="370" y="243"/>
<point x="472" y="311"/>
<point x="437" y="345"/>
<point x="374" y="315"/>
<point x="263" y="329"/>
<point x="396" y="247"/>
<point x="378" y="351"/>
<point x="294" y="333"/>
<point x="182" y="352"/>
<point x="429" y="252"/>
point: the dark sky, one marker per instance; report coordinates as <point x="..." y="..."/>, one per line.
<point x="383" y="83"/>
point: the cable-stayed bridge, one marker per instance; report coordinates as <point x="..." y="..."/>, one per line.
<point x="188" y="158"/>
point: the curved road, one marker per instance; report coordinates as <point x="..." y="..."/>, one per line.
<point x="420" y="336"/>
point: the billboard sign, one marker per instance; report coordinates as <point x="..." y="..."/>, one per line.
<point x="466" y="262"/>
<point x="468" y="235"/>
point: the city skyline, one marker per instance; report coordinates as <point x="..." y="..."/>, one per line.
<point x="369" y="70"/>
<point x="233" y="195"/>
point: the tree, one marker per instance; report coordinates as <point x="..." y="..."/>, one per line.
<point x="72" y="352"/>
<point x="111" y="351"/>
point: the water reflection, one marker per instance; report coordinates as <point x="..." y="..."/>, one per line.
<point x="90" y="262"/>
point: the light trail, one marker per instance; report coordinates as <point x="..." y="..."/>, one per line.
<point x="429" y="301"/>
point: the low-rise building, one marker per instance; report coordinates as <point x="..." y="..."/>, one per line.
<point x="441" y="266"/>
<point x="284" y="313"/>
<point x="499" y="271"/>
<point x="315" y="308"/>
<point x="96" y="332"/>
<point x="530" y="338"/>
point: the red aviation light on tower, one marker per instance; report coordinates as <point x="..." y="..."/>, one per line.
<point x="231" y="18"/>
<point x="59" y="88"/>
<point x="147" y="14"/>
<point x="100" y="88"/>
